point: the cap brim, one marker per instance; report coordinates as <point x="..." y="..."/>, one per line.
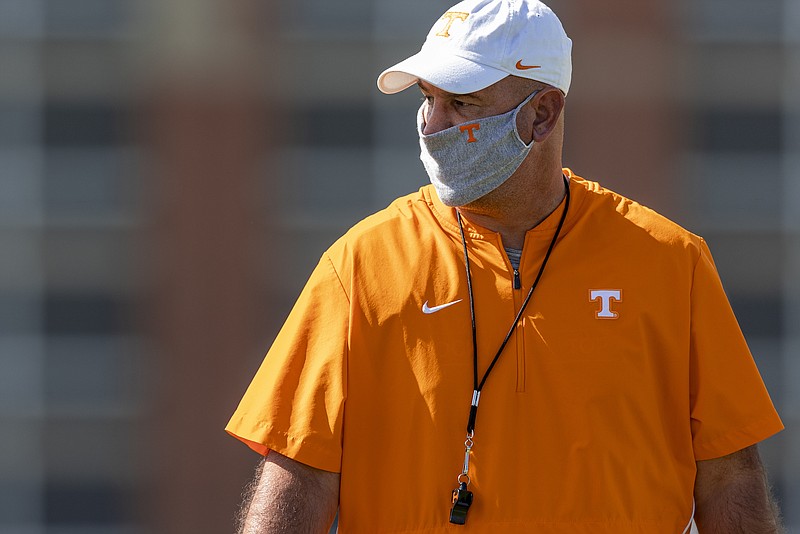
<point x="446" y="71"/>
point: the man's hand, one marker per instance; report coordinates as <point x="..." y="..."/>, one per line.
<point x="732" y="496"/>
<point x="287" y="497"/>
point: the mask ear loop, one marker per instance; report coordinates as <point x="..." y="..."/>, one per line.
<point x="516" y="112"/>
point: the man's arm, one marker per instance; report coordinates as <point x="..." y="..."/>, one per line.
<point x="288" y="497"/>
<point x="732" y="496"/>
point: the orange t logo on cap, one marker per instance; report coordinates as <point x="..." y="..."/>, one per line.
<point x="451" y="16"/>
<point x="468" y="128"/>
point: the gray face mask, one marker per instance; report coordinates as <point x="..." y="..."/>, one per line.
<point x="467" y="161"/>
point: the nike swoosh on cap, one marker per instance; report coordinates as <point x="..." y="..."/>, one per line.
<point x="427" y="309"/>
<point x="520" y="66"/>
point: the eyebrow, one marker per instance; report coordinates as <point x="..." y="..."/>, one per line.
<point x="476" y="96"/>
<point x="456" y="95"/>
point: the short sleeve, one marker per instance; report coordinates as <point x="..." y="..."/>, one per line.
<point x="295" y="403"/>
<point x="730" y="406"/>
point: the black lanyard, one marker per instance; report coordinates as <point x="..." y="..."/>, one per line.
<point x="462" y="499"/>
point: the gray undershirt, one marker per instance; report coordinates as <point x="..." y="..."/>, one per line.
<point x="514" y="257"/>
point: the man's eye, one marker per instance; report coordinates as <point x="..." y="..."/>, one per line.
<point x="462" y="104"/>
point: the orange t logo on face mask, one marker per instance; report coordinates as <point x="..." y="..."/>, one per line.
<point x="469" y="128"/>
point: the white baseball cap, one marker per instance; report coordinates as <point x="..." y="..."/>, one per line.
<point x="479" y="42"/>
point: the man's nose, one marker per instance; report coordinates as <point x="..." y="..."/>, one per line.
<point x="436" y="119"/>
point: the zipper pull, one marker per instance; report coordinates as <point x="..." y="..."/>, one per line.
<point x="517" y="281"/>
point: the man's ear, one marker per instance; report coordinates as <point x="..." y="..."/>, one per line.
<point x="549" y="104"/>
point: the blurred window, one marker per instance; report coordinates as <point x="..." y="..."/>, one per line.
<point x="19" y="123"/>
<point x="346" y="19"/>
<point x="92" y="375"/>
<point x="93" y="123"/>
<point x="86" y="18"/>
<point x="737" y="130"/>
<point x="84" y="314"/>
<point x="19" y="313"/>
<point x="19" y="503"/>
<point x="90" y="182"/>
<point x="79" y="504"/>
<point x="21" y="18"/>
<point x="737" y="191"/>
<point x="326" y="182"/>
<point x="734" y="20"/>
<point x="20" y="183"/>
<point x="761" y="316"/>
<point x="344" y="125"/>
<point x="21" y="359"/>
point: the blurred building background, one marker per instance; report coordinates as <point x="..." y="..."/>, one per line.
<point x="170" y="171"/>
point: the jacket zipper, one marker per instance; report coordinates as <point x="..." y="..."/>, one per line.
<point x="517" y="284"/>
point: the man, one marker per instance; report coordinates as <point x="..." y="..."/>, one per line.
<point x="514" y="348"/>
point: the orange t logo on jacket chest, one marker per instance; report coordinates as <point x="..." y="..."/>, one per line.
<point x="469" y="128"/>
